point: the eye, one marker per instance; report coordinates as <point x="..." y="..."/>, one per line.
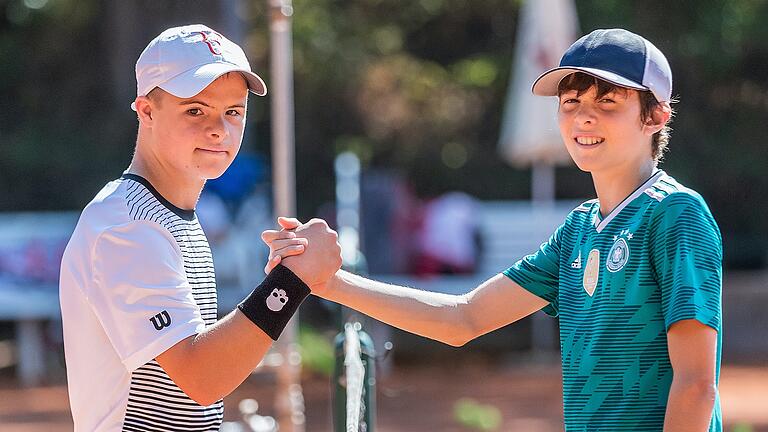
<point x="568" y="104"/>
<point x="234" y="113"/>
<point x="194" y="111"/>
<point x="282" y="300"/>
<point x="274" y="294"/>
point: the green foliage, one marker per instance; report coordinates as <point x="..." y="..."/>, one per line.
<point x="473" y="415"/>
<point x="413" y="86"/>
<point x="742" y="427"/>
<point x="316" y="351"/>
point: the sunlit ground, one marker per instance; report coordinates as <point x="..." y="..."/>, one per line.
<point x="527" y="398"/>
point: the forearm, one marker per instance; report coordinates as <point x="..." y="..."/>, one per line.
<point x="211" y="364"/>
<point x="690" y="404"/>
<point x="433" y="315"/>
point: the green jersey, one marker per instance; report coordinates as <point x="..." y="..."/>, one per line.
<point x="617" y="284"/>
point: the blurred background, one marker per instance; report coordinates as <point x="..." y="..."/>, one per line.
<point x="422" y="95"/>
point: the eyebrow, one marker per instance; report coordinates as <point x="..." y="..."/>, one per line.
<point x="195" y="101"/>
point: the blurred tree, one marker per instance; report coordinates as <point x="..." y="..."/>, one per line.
<point x="67" y="80"/>
<point x="415" y="86"/>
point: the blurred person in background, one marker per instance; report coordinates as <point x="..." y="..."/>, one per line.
<point x="448" y="241"/>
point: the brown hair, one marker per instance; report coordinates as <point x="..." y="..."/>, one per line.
<point x="155" y="95"/>
<point x="581" y="83"/>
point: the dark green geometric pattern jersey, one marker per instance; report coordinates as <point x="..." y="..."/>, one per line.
<point x="617" y="284"/>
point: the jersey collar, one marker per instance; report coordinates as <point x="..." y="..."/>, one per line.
<point x="188" y="215"/>
<point x="601" y="223"/>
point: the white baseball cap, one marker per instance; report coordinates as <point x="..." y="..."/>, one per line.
<point x="185" y="60"/>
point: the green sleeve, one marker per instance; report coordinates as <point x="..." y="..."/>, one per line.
<point x="539" y="272"/>
<point x="686" y="255"/>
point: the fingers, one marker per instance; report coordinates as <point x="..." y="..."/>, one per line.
<point x="278" y="256"/>
<point x="272" y="263"/>
<point x="289" y="251"/>
<point x="280" y="249"/>
<point x="270" y="236"/>
<point x="288" y="223"/>
<point x="277" y="245"/>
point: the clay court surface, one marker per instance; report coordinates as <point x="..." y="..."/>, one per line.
<point x="416" y="399"/>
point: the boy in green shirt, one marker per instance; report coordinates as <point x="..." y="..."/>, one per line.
<point x="634" y="275"/>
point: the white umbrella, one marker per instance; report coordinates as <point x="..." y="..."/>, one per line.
<point x="529" y="133"/>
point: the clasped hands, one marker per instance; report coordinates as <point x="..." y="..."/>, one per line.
<point x="314" y="264"/>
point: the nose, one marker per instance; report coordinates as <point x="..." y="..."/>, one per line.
<point x="217" y="129"/>
<point x="585" y="114"/>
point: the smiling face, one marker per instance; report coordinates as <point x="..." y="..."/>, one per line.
<point x="604" y="132"/>
<point x="195" y="138"/>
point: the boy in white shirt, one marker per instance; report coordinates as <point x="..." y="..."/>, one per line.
<point x="143" y="347"/>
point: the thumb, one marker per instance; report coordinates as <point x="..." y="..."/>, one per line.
<point x="288" y="223"/>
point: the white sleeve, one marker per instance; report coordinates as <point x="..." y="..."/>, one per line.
<point x="140" y="292"/>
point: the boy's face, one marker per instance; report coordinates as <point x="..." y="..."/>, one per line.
<point x="604" y="134"/>
<point x="198" y="137"/>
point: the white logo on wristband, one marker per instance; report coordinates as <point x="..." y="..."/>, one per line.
<point x="276" y="300"/>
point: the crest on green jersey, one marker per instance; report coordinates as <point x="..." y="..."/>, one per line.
<point x="617" y="256"/>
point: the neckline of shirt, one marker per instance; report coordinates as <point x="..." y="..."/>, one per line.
<point x="601" y="223"/>
<point x="188" y="215"/>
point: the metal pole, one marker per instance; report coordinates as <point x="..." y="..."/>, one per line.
<point x="341" y="381"/>
<point x="542" y="197"/>
<point x="289" y="399"/>
<point x="543" y="183"/>
<point x="31" y="351"/>
<point x="347" y="168"/>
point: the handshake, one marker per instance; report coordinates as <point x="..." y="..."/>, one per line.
<point x="315" y="264"/>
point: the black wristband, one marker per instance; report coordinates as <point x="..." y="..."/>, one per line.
<point x="272" y="304"/>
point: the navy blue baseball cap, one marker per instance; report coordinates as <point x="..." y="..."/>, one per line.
<point x="617" y="56"/>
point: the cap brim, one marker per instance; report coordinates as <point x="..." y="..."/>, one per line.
<point x="547" y="83"/>
<point x="195" y="80"/>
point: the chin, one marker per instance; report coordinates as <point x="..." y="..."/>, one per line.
<point x="213" y="172"/>
<point x="586" y="165"/>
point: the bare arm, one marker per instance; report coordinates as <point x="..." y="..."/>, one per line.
<point x="693" y="353"/>
<point x="451" y="319"/>
<point x="211" y="364"/>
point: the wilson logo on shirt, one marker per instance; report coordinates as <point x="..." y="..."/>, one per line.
<point x="161" y="320"/>
<point x="276" y="300"/>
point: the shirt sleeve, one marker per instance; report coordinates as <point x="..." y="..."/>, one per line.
<point x="686" y="255"/>
<point x="539" y="272"/>
<point x="140" y="292"/>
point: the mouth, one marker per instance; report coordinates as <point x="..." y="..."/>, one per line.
<point x="589" y="141"/>
<point x="212" y="152"/>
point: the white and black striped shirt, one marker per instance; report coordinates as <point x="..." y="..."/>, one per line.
<point x="137" y="278"/>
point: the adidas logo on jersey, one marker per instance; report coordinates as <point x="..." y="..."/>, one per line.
<point x="576" y="264"/>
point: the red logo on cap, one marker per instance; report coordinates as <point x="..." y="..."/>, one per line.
<point x="213" y="40"/>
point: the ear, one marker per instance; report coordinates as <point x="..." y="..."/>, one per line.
<point x="659" y="118"/>
<point x="144" y="110"/>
